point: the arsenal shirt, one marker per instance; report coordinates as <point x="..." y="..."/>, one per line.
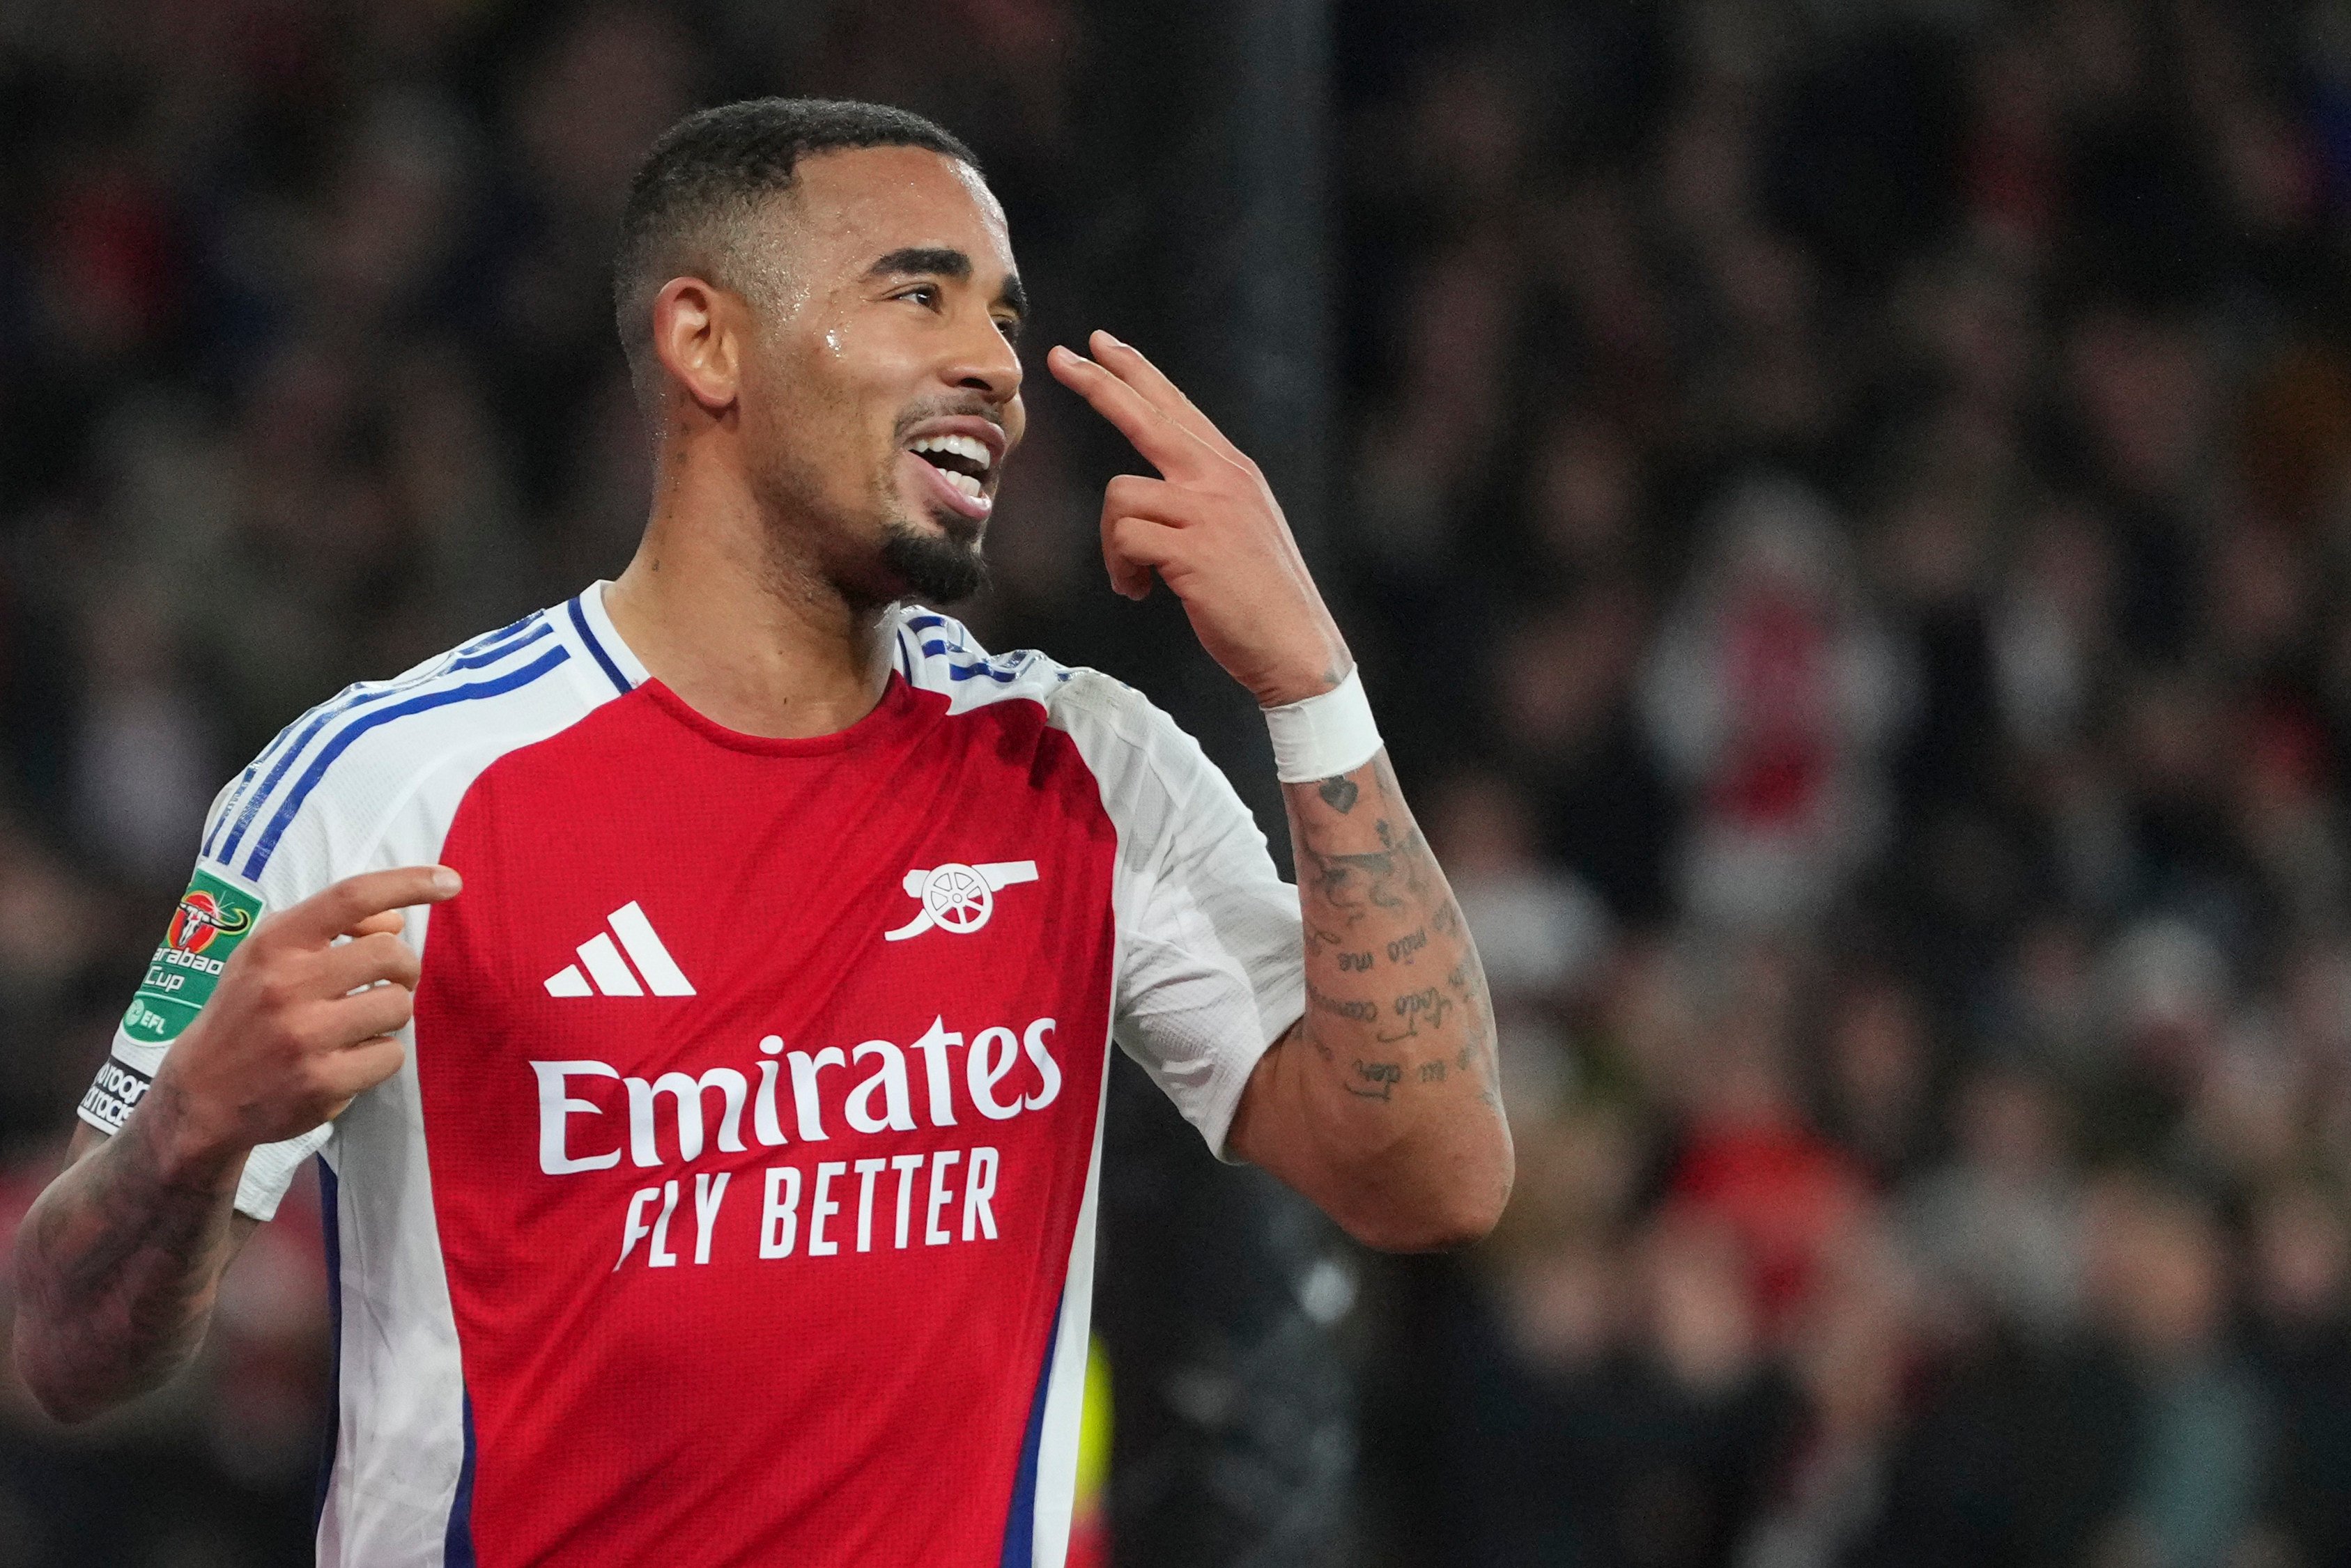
<point x="735" y="1204"/>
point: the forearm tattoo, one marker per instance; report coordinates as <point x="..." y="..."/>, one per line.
<point x="117" y="1267"/>
<point x="1396" y="1001"/>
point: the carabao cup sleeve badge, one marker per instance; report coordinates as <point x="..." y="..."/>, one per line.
<point x="213" y="915"/>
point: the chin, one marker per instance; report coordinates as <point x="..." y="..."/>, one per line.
<point x="959" y="530"/>
<point x="940" y="567"/>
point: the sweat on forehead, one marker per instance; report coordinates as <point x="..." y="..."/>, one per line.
<point x="714" y="171"/>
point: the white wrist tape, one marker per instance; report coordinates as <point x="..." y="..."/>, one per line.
<point x="1324" y="736"/>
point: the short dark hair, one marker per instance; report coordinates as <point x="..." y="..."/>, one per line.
<point x="714" y="170"/>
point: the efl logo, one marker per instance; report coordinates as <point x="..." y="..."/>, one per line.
<point x="958" y="897"/>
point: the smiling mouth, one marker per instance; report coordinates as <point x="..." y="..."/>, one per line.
<point x="964" y="461"/>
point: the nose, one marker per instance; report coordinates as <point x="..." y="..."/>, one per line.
<point x="984" y="362"/>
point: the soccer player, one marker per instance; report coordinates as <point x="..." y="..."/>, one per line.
<point x="698" y="994"/>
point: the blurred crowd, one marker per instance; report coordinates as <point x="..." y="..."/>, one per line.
<point x="1843" y="508"/>
<point x="1855" y="500"/>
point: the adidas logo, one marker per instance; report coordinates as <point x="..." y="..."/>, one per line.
<point x="609" y="973"/>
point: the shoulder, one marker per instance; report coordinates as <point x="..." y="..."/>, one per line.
<point x="937" y="653"/>
<point x="1130" y="743"/>
<point x="1110" y="719"/>
<point x="345" y="764"/>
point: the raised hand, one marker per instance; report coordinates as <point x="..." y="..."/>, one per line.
<point x="1211" y="527"/>
<point x="1381" y="1103"/>
<point x="300" y="1024"/>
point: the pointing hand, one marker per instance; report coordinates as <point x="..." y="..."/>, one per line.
<point x="299" y="1024"/>
<point x="1211" y="527"/>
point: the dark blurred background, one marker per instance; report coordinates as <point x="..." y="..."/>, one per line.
<point x="1844" y="508"/>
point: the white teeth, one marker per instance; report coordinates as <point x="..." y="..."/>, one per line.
<point x="969" y="447"/>
<point x="965" y="482"/>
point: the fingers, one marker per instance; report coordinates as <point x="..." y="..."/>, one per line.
<point x="363" y="1014"/>
<point x="365" y="960"/>
<point x="389" y="920"/>
<point x="348" y="904"/>
<point x="1134" y="495"/>
<point x="1140" y="516"/>
<point x="1133" y="547"/>
<point x="1131" y="497"/>
<point x="1164" y="444"/>
<point x="1130" y="365"/>
<point x="358" y="1067"/>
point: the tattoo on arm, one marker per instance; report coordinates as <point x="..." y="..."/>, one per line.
<point x="1417" y="1007"/>
<point x="1377" y="1080"/>
<point x="1372" y="896"/>
<point x="1357" y="1012"/>
<point x="116" y="1271"/>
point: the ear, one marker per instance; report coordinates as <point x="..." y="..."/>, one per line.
<point x="695" y="336"/>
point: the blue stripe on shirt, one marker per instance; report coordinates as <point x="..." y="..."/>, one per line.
<point x="487" y="650"/>
<point x="611" y="670"/>
<point x="474" y="692"/>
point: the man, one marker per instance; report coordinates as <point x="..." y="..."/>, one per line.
<point x="711" y="1180"/>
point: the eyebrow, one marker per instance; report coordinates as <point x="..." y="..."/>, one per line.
<point x="941" y="261"/>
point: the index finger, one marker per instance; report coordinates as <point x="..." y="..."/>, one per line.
<point x="1164" y="444"/>
<point x="1131" y="365"/>
<point x="332" y="911"/>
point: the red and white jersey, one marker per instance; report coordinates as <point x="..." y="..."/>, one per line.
<point x="736" y="1203"/>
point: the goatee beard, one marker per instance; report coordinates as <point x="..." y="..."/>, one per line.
<point x="937" y="568"/>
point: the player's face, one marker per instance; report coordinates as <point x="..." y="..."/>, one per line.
<point x="881" y="393"/>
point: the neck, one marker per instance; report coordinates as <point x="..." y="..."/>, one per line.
<point x="744" y="633"/>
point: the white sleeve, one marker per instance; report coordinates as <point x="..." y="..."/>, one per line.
<point x="1211" y="965"/>
<point x="262" y="850"/>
